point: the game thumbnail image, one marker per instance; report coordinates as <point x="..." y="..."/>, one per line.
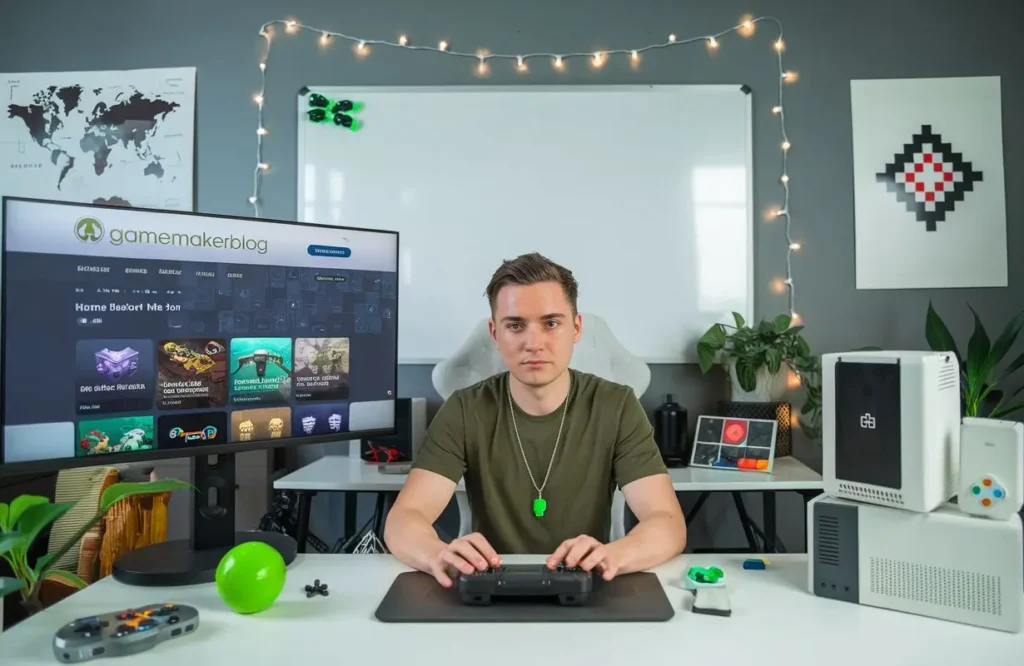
<point x="319" y="419"/>
<point x="113" y="375"/>
<point x="179" y="431"/>
<point x="191" y="373"/>
<point x="253" y="425"/>
<point x="321" y="368"/>
<point x="260" y="370"/>
<point x="116" y="435"/>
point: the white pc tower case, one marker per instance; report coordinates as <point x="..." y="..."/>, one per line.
<point x="891" y="427"/>
<point x="944" y="564"/>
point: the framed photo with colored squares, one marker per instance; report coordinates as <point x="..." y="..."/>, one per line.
<point x="734" y="443"/>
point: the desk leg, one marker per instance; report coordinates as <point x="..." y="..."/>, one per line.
<point x="302" y="529"/>
<point x="351" y="507"/>
<point x="378" y="516"/>
<point x="748" y="529"/>
<point x="768" y="509"/>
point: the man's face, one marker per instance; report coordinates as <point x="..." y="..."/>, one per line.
<point x="534" y="330"/>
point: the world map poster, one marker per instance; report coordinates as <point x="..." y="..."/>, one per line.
<point x="115" y="137"/>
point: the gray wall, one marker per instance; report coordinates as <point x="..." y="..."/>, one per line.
<point x="827" y="45"/>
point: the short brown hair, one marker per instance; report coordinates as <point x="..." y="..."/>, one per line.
<point x="533" y="268"/>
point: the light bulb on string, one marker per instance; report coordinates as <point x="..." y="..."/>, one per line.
<point x="780" y="45"/>
<point x="291" y="26"/>
<point x="263" y="66"/>
<point x="481" y="68"/>
<point x="776" y="110"/>
<point x="790" y="77"/>
<point x="325" y="39"/>
<point x="403" y="40"/>
<point x="672" y="39"/>
<point x="712" y="43"/>
<point x="362" y="50"/>
<point x="520" y="64"/>
<point x="252" y="200"/>
<point x="558" y="62"/>
<point x="786" y="145"/>
<point x="261" y="131"/>
<point x="264" y="166"/>
<point x="785" y="178"/>
<point x="794" y="246"/>
<point x="746" y="26"/>
<point x="443" y="46"/>
<point x="258" y="99"/>
<point x="598" y="59"/>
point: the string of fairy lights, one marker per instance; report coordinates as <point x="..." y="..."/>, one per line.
<point x="482" y="62"/>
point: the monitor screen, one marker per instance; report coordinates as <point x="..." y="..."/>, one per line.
<point x="130" y="334"/>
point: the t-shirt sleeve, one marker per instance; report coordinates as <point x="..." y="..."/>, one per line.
<point x="636" y="453"/>
<point x="444" y="444"/>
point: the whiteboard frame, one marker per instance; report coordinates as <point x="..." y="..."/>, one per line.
<point x="743" y="89"/>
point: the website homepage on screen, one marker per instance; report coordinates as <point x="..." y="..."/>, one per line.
<point x="129" y="331"/>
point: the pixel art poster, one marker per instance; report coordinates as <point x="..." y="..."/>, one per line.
<point x="321" y="368"/>
<point x="191" y="373"/>
<point x="929" y="187"/>
<point x="260" y="370"/>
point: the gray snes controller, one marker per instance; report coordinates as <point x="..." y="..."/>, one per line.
<point x="122" y="633"/>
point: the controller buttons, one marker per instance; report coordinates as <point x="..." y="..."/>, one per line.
<point x="997" y="493"/>
<point x="986" y="482"/>
<point x="976" y="490"/>
<point x="174" y="619"/>
<point x="147" y="623"/>
<point x="986" y="502"/>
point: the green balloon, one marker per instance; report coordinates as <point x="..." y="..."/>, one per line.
<point x="250" y="577"/>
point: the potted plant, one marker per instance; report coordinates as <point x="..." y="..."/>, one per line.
<point x="24" y="519"/>
<point x="758" y="359"/>
<point x="979" y="373"/>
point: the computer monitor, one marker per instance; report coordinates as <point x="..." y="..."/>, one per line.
<point x="133" y="335"/>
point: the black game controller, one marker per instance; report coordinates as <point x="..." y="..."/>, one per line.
<point x="570" y="585"/>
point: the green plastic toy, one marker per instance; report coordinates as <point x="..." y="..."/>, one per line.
<point x="709" y="576"/>
<point x="250" y="577"/>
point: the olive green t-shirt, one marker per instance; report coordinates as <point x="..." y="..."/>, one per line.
<point x="607" y="441"/>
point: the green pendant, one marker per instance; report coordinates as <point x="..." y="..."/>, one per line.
<point x="540" y="505"/>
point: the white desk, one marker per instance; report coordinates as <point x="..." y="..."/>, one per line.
<point x="351" y="475"/>
<point x="774" y="621"/>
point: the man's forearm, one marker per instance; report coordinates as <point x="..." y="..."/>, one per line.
<point x="411" y="538"/>
<point x="653" y="541"/>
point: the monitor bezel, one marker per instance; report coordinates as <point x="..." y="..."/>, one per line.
<point x="156" y="455"/>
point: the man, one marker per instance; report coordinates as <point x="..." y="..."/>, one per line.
<point x="541" y="447"/>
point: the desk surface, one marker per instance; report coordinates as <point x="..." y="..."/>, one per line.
<point x="340" y="473"/>
<point x="774" y="621"/>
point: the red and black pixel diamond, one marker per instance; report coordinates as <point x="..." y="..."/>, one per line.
<point x="929" y="177"/>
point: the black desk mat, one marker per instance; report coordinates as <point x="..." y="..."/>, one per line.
<point x="418" y="597"/>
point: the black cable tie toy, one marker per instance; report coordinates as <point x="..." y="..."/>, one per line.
<point x="323" y="110"/>
<point x="316" y="588"/>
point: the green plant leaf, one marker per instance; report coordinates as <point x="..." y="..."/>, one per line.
<point x="773" y="359"/>
<point x="5" y="511"/>
<point x="738" y="318"/>
<point x="715" y="336"/>
<point x="746" y="374"/>
<point x="10" y="541"/>
<point x="1005" y="340"/>
<point x="21" y="504"/>
<point x="1006" y="411"/>
<point x="8" y="585"/>
<point x="68" y="577"/>
<point x="1016" y="365"/>
<point x="37" y="517"/>
<point x="782" y="323"/>
<point x="705" y="357"/>
<point x="977" y="355"/>
<point x="118" y="491"/>
<point x="938" y="336"/>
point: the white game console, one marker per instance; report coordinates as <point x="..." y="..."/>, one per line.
<point x="991" y="468"/>
<point x="891" y="427"/>
<point x="944" y="564"/>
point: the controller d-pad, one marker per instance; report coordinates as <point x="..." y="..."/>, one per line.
<point x="987" y="490"/>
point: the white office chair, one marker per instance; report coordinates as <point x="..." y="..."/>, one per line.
<point x="598" y="352"/>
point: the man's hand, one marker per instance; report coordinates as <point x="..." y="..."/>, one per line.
<point x="466" y="554"/>
<point x="587" y="553"/>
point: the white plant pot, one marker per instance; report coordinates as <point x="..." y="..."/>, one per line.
<point x="770" y="387"/>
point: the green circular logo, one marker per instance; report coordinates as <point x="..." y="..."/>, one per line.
<point x="89" y="230"/>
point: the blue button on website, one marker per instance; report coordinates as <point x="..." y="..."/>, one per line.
<point x="329" y="251"/>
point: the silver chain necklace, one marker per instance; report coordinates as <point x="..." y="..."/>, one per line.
<point x="540" y="504"/>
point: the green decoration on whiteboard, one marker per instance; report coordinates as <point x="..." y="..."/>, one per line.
<point x="325" y="110"/>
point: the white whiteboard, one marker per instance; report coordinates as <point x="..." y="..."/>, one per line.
<point x="644" y="192"/>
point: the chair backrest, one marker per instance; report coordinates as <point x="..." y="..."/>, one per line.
<point x="598" y="352"/>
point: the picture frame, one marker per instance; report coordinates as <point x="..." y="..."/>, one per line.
<point x="734" y="443"/>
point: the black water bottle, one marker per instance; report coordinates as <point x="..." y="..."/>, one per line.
<point x="670" y="432"/>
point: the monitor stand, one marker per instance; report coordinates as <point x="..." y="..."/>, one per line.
<point x="194" y="561"/>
